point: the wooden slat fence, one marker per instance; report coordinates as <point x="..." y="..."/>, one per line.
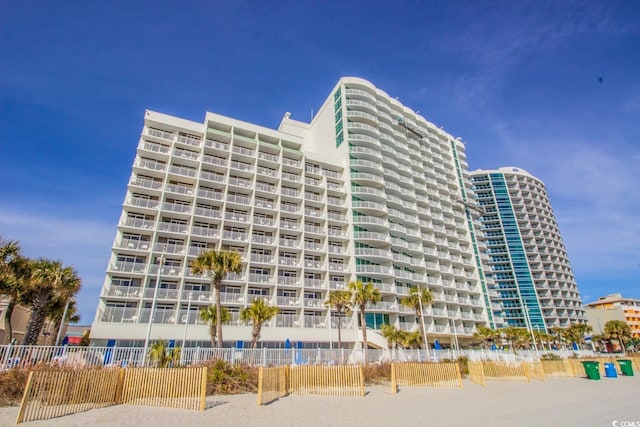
<point x="344" y="380"/>
<point x="534" y="370"/>
<point x="439" y="375"/>
<point x="557" y="368"/>
<point x="272" y="384"/>
<point x="51" y="394"/>
<point x="476" y="373"/>
<point x="502" y="371"/>
<point x="165" y="387"/>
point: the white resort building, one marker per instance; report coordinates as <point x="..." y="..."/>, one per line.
<point x="369" y="190"/>
<point x="534" y="283"/>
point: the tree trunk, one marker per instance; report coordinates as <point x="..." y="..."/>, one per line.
<point x="8" y="329"/>
<point x="36" y="320"/>
<point x="339" y="330"/>
<point x="218" y="316"/>
<point x="364" y="328"/>
<point x="255" y="334"/>
<point x="421" y="326"/>
<point x="56" y="329"/>
<point x="212" y="332"/>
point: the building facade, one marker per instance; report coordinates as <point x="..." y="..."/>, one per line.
<point x="534" y="285"/>
<point x="614" y="307"/>
<point x="369" y="190"/>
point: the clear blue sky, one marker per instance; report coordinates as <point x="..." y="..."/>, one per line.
<point x="552" y="87"/>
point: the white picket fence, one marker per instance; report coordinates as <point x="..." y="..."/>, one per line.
<point x="16" y="356"/>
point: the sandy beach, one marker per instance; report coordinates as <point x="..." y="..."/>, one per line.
<point x="554" y="402"/>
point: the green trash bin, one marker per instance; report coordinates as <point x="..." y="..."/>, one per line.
<point x="626" y="367"/>
<point x="592" y="370"/>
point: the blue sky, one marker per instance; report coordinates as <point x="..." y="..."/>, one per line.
<point x="517" y="81"/>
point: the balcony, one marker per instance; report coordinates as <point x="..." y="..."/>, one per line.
<point x="262" y="258"/>
<point x="314" y="322"/>
<point x="260" y="278"/>
<point x="160" y="134"/>
<point x="288" y="281"/>
<point x="287" y="301"/>
<point x="173" y="228"/>
<point x="265" y="240"/>
<point x="123" y="291"/>
<point x="189" y="140"/>
<point x="235" y="235"/>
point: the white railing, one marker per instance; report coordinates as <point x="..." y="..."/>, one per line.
<point x="18" y="356"/>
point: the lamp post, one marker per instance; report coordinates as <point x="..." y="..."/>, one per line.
<point x="455" y="336"/>
<point x="186" y="325"/>
<point x="527" y="321"/>
<point x="153" y="302"/>
<point x="424" y="329"/>
<point x="330" y="328"/>
<point x="64" y="318"/>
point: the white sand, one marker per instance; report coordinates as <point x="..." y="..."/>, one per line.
<point x="554" y="402"/>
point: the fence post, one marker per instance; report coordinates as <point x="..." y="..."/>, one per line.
<point x="394" y="382"/>
<point x="203" y="389"/>
<point x="119" y="386"/>
<point x="260" y="384"/>
<point x="361" y="380"/>
<point x="25" y="398"/>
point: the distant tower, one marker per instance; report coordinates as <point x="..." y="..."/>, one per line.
<point x="534" y="282"/>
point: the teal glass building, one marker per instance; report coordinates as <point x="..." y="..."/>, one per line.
<point x="533" y="283"/>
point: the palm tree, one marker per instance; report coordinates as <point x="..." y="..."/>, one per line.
<point x="486" y="334"/>
<point x="543" y="338"/>
<point x="394" y="336"/>
<point x="13" y="270"/>
<point x="576" y="332"/>
<point x="517" y="337"/>
<point x="162" y="356"/>
<point x="55" y="311"/>
<point x="618" y="330"/>
<point x="45" y="283"/>
<point x="560" y="334"/>
<point x="216" y="265"/>
<point x="362" y="294"/>
<point x="209" y="316"/>
<point x="258" y="313"/>
<point x="412" y="339"/>
<point x="416" y="300"/>
<point x="340" y="301"/>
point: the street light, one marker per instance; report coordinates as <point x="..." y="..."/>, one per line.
<point x="155" y="297"/>
<point x="527" y="322"/>
<point x="186" y="324"/>
<point x="424" y="330"/>
<point x="64" y="318"/>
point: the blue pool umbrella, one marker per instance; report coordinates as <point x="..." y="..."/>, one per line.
<point x="575" y="346"/>
<point x="493" y="347"/>
<point x="436" y="345"/>
<point x="287" y="344"/>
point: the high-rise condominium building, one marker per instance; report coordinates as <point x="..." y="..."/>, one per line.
<point x="369" y="190"/>
<point x="534" y="286"/>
